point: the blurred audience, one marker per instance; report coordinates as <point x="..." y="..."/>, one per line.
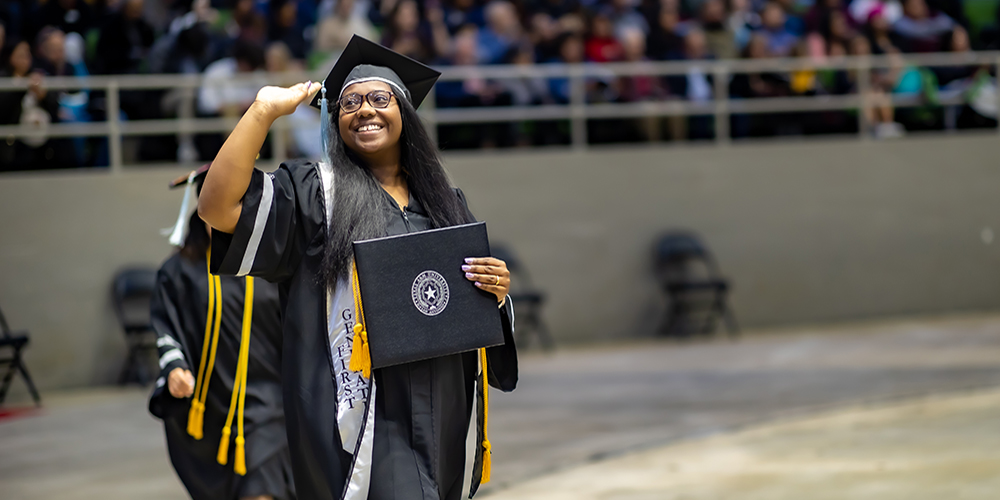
<point x="214" y="37"/>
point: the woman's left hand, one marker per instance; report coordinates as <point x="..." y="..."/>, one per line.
<point x="489" y="274"/>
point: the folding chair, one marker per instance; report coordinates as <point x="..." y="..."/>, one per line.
<point x="527" y="300"/>
<point x="15" y="341"/>
<point x="695" y="290"/>
<point x="132" y="290"/>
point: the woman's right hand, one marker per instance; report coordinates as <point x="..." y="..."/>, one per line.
<point x="180" y="383"/>
<point x="281" y="101"/>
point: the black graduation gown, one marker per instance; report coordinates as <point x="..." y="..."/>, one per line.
<point x="178" y="311"/>
<point x="422" y="409"/>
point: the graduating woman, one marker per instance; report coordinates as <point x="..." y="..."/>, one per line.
<point x="399" y="433"/>
<point x="219" y="341"/>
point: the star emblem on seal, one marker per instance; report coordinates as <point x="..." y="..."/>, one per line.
<point x="430" y="293"/>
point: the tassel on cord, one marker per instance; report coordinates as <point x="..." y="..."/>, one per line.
<point x="196" y="414"/>
<point x="176" y="233"/>
<point x="324" y="126"/>
<point x="200" y="417"/>
<point x="239" y="391"/>
<point x="361" y="360"/>
<point x="487" y="449"/>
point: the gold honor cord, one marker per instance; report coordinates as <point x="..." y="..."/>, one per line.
<point x="361" y="360"/>
<point x="239" y="391"/>
<point x="487" y="449"/>
<point x="196" y="415"/>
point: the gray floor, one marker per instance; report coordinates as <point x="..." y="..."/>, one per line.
<point x="571" y="408"/>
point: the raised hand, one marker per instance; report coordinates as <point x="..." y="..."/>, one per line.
<point x="280" y="101"/>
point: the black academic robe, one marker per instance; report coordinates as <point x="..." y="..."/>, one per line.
<point x="422" y="409"/>
<point x="178" y="309"/>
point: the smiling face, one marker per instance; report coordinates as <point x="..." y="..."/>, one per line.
<point x="369" y="131"/>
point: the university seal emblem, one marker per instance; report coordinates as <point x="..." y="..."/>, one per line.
<point x="430" y="293"/>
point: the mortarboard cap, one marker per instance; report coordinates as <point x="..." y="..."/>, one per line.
<point x="196" y="176"/>
<point x="416" y="78"/>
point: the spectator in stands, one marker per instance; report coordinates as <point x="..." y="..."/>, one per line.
<point x="834" y="27"/>
<point x="465" y="52"/>
<point x="881" y="114"/>
<point x="557" y="8"/>
<point x="720" y="41"/>
<point x="780" y="41"/>
<point x="696" y="86"/>
<point x="458" y="13"/>
<point x="957" y="77"/>
<point x="879" y="33"/>
<point x="755" y="85"/>
<point x="34" y="107"/>
<point x="817" y="15"/>
<point x="542" y="35"/>
<point x="503" y="31"/>
<point x="571" y="51"/>
<point x="285" y="27"/>
<point x="278" y="59"/>
<point x="742" y="21"/>
<point x="624" y="16"/>
<point x="219" y="95"/>
<point x="921" y="30"/>
<point x="246" y="23"/>
<point x="602" y="46"/>
<point x="124" y="41"/>
<point x="860" y="11"/>
<point x="335" y="30"/>
<point x="664" y="42"/>
<point x="525" y="91"/>
<point x="406" y="34"/>
<point x="51" y="51"/>
<point x="639" y="88"/>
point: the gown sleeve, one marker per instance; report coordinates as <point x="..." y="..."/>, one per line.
<point x="165" y="317"/>
<point x="266" y="242"/>
<point x="165" y="310"/>
<point x="501" y="360"/>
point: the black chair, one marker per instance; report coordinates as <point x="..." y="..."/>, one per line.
<point x="527" y="300"/>
<point x="695" y="290"/>
<point x="131" y="292"/>
<point x="15" y="341"/>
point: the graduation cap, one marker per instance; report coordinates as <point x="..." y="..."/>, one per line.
<point x="364" y="60"/>
<point x="190" y="182"/>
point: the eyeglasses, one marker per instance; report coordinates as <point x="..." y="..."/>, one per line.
<point x="377" y="98"/>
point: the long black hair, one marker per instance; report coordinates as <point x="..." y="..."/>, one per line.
<point x="358" y="198"/>
<point x="197" y="241"/>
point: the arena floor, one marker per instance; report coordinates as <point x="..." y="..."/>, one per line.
<point x="897" y="409"/>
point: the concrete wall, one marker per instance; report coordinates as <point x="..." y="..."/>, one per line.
<point x="808" y="232"/>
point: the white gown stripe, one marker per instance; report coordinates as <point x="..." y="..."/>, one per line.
<point x="360" y="480"/>
<point x="171" y="355"/>
<point x="510" y="309"/>
<point x="258" y="226"/>
<point x="165" y="341"/>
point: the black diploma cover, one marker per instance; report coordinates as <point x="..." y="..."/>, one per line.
<point x="417" y="302"/>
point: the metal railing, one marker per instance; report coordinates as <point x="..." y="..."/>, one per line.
<point x="577" y="111"/>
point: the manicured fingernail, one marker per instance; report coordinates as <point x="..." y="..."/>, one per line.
<point x="480" y="285"/>
<point x="466" y="268"/>
<point x="469" y="260"/>
<point x="469" y="275"/>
